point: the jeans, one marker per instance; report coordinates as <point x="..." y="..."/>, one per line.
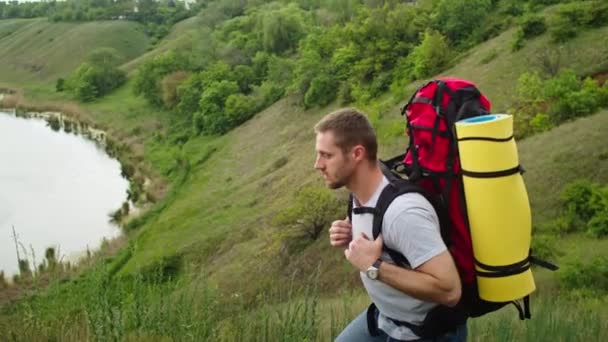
<point x="357" y="331"/>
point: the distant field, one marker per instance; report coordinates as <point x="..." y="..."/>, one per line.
<point x="34" y="51"/>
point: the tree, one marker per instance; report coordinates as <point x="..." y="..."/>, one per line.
<point x="457" y="19"/>
<point x="147" y="80"/>
<point x="212" y="119"/>
<point x="431" y="55"/>
<point x="282" y="29"/>
<point x="169" y="86"/>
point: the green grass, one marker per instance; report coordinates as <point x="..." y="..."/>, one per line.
<point x="553" y="159"/>
<point x="151" y="309"/>
<point x="215" y="221"/>
<point x="36" y="51"/>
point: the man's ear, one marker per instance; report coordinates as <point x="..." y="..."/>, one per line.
<point x="359" y="152"/>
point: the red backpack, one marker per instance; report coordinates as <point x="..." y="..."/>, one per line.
<point x="431" y="164"/>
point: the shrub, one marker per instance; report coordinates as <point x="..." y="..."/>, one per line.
<point x="60" y="85"/>
<point x="322" y="91"/>
<point x="519" y="41"/>
<point x="532" y="26"/>
<point x="431" y="55"/>
<point x="345" y="95"/>
<point x="239" y="108"/>
<point x="91" y="81"/>
<point x="582" y="199"/>
<point x="541" y="122"/>
<point x="562" y="30"/>
<point x="598" y="14"/>
<point x="149" y="75"/>
<point x="169" y="87"/>
<point x="598" y="225"/>
<point x="544" y="246"/>
<point x="313" y="211"/>
<point x="592" y="276"/>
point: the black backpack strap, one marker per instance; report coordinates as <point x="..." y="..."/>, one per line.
<point x="542" y="263"/>
<point x="394" y="189"/>
<point x="524" y="308"/>
<point x="372" y="320"/>
<point x="349" y="211"/>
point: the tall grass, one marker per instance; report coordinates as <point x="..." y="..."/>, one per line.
<point x="159" y="309"/>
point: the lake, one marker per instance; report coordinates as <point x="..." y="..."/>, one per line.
<point x="57" y="189"/>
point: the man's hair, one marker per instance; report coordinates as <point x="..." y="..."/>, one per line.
<point x="350" y="128"/>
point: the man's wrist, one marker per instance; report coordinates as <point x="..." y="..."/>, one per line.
<point x="373" y="271"/>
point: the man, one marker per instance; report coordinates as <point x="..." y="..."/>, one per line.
<point x="346" y="150"/>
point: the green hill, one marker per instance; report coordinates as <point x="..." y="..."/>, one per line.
<point x="216" y="223"/>
<point x="34" y="51"/>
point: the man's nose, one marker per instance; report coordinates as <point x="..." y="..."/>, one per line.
<point x="318" y="164"/>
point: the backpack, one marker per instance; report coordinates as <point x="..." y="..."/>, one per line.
<point x="432" y="166"/>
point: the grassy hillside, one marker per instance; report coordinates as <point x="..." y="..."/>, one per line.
<point x="216" y="224"/>
<point x="36" y="51"/>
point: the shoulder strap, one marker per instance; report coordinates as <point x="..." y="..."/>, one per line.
<point x="349" y="211"/>
<point x="394" y="189"/>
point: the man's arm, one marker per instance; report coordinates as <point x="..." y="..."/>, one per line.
<point x="436" y="280"/>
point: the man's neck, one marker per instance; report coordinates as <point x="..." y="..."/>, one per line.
<point x="365" y="182"/>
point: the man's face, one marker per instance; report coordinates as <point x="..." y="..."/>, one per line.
<point x="336" y="166"/>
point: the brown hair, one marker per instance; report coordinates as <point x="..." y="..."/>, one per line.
<point x="350" y="128"/>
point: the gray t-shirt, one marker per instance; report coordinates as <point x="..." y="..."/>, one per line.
<point x="411" y="227"/>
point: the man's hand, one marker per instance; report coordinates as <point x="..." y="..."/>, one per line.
<point x="362" y="252"/>
<point x="340" y="233"/>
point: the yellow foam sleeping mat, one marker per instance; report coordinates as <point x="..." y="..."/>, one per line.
<point x="497" y="206"/>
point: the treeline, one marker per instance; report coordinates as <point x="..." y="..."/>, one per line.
<point x="156" y="16"/>
<point x="248" y="55"/>
<point x="245" y="55"/>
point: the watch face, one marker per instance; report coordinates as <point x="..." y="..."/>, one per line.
<point x="372" y="273"/>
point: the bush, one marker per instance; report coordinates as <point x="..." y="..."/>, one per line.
<point x="239" y="108"/>
<point x="60" y="85"/>
<point x="592" y="276"/>
<point x="322" y="91"/>
<point x="148" y="76"/>
<point x="169" y="87"/>
<point x="562" y="97"/>
<point x="598" y="14"/>
<point x="431" y="55"/>
<point x="91" y="81"/>
<point x="583" y="199"/>
<point x="598" y="225"/>
<point x="544" y="247"/>
<point x="562" y="30"/>
<point x="212" y="118"/>
<point x="345" y="95"/>
<point x="312" y="212"/>
<point x="519" y="41"/>
<point x="584" y="208"/>
<point x="532" y="26"/>
<point x="541" y="122"/>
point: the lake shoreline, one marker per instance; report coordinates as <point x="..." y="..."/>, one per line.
<point x="71" y="118"/>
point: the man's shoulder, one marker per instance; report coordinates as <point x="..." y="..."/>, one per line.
<point x="410" y="200"/>
<point x="411" y="203"/>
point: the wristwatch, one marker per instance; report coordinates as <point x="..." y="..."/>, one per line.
<point x="372" y="271"/>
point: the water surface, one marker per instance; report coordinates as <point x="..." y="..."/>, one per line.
<point x="56" y="189"/>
